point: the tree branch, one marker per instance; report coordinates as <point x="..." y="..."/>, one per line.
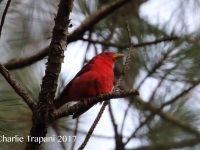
<point x="4" y="15"/>
<point x="89" y="134"/>
<point x="76" y="35"/>
<point x="92" y="101"/>
<point x="23" y="62"/>
<point x="135" y="45"/>
<point x="43" y="116"/>
<point x="17" y="87"/>
<point x="95" y="18"/>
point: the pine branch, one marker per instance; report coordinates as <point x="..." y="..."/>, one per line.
<point x="85" y="103"/>
<point x="89" y="134"/>
<point x="17" y="87"/>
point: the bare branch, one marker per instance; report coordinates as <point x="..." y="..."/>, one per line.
<point x="4" y="15"/>
<point x="139" y="127"/>
<point x="23" y="62"/>
<point x="171" y="38"/>
<point x="17" y="87"/>
<point x="156" y="66"/>
<point x="119" y="145"/>
<point x="75" y="133"/>
<point x="88" y="135"/>
<point x="91" y="101"/>
<point x="126" y="65"/>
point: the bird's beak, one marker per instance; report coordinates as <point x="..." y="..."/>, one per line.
<point x="117" y="56"/>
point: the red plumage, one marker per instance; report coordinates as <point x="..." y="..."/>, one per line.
<point x="95" y="78"/>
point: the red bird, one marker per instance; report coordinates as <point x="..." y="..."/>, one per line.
<point x="95" y="78"/>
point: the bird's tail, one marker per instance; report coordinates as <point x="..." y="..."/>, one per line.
<point x="81" y="111"/>
<point x="58" y="103"/>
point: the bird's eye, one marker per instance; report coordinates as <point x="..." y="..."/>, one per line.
<point x="106" y="53"/>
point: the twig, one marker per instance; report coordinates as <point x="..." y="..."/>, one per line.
<point x="135" y="45"/>
<point x="58" y="133"/>
<point x="155" y="90"/>
<point x="125" y="115"/>
<point x="88" y="135"/>
<point x="128" y="59"/>
<point x="4" y="15"/>
<point x="17" y="87"/>
<point x="139" y="127"/>
<point x="156" y="66"/>
<point x="75" y="133"/>
<point x="118" y="138"/>
<point x="125" y="68"/>
<point x="180" y="95"/>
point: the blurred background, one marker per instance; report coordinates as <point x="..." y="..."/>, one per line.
<point x="164" y="67"/>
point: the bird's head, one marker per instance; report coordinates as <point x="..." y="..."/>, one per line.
<point x="110" y="56"/>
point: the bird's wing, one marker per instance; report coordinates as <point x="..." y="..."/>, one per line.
<point x="85" y="69"/>
<point x="59" y="102"/>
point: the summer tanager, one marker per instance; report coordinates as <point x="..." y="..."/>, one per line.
<point x="95" y="78"/>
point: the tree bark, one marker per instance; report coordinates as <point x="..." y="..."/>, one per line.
<point x="43" y="114"/>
